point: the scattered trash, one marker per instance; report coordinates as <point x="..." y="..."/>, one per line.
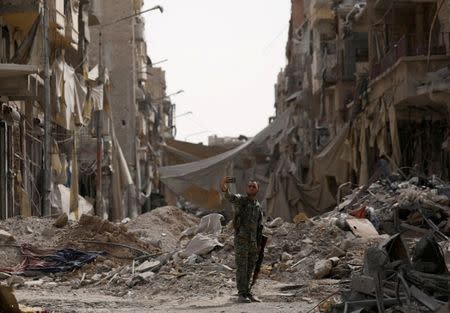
<point x="201" y="245"/>
<point x="362" y="228"/>
<point x="50" y="261"/>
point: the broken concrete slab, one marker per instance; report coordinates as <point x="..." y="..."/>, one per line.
<point x="286" y="257"/>
<point x="34" y="283"/>
<point x="15" y="281"/>
<point x="4" y="276"/>
<point x="335" y="252"/>
<point x="146" y="275"/>
<point x="277" y="222"/>
<point x="334" y="260"/>
<point x="61" y="221"/>
<point x="6" y="237"/>
<point x="148" y="266"/>
<point x="322" y="268"/>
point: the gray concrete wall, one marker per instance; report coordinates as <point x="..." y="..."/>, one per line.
<point x="117" y="41"/>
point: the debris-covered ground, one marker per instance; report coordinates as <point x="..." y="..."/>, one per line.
<point x="384" y="247"/>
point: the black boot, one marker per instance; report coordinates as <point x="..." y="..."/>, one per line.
<point x="243" y="298"/>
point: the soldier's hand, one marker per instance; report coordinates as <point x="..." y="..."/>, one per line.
<point x="224" y="183"/>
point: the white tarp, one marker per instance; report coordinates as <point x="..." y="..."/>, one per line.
<point x="201" y="245"/>
<point x="209" y="224"/>
<point x="204" y="176"/>
<point x="60" y="200"/>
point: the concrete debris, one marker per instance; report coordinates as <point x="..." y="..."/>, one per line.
<point x="192" y="259"/>
<point x="322" y="268"/>
<point x="318" y="255"/>
<point x="146" y="275"/>
<point x="336" y="252"/>
<point x="15" y="281"/>
<point x="61" y="221"/>
<point x="334" y="261"/>
<point x="34" y="283"/>
<point x="4" y="276"/>
<point x="277" y="222"/>
<point x="126" y="220"/>
<point x="286" y="257"/>
<point x="6" y="237"/>
<point x="148" y="266"/>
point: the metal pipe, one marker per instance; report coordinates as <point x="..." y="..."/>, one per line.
<point x="47" y="118"/>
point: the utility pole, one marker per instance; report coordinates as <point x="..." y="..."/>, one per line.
<point x="133" y="208"/>
<point x="99" y="210"/>
<point x="47" y="119"/>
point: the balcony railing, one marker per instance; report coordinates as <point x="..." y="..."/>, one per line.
<point x="407" y="46"/>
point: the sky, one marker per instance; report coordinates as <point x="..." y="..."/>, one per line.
<point x="225" y="55"/>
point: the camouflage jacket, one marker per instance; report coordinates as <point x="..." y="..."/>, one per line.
<point x="247" y="216"/>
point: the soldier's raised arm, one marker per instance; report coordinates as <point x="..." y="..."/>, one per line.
<point x="233" y="198"/>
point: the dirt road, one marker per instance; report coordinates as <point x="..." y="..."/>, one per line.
<point x="89" y="301"/>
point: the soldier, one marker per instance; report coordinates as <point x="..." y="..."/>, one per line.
<point x="247" y="232"/>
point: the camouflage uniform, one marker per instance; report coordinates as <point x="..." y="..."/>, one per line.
<point x="247" y="233"/>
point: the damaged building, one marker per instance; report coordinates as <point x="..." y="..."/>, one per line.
<point x="365" y="81"/>
<point x="364" y="84"/>
<point x="108" y="119"/>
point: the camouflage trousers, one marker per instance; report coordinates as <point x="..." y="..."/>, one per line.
<point x="246" y="253"/>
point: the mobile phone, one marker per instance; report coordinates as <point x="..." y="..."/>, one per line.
<point x="231" y="180"/>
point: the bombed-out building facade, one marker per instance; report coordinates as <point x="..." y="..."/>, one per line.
<point x="108" y="103"/>
<point x="365" y="80"/>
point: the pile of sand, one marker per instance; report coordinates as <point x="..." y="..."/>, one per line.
<point x="162" y="226"/>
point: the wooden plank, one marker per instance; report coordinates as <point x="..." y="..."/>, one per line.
<point x="425" y="299"/>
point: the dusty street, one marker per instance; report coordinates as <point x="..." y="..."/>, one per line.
<point x="90" y="301"/>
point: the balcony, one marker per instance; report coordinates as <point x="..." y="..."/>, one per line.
<point x="407" y="46"/>
<point x="321" y="11"/>
<point x="404" y="70"/>
<point x="63" y="29"/>
<point x="19" y="6"/>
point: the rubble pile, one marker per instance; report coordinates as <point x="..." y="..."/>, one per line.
<point x="168" y="251"/>
<point x="416" y="205"/>
<point x="407" y="272"/>
<point x="162" y="227"/>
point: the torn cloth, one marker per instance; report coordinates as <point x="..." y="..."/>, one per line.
<point x="71" y="93"/>
<point x="51" y="261"/>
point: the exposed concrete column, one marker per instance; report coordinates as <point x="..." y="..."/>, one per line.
<point x="371" y="38"/>
<point x="419" y="17"/>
